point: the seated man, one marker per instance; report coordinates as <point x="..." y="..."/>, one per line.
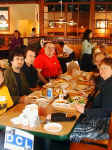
<point x="67" y="50"/>
<point x="15" y="78"/>
<point x="47" y="63"/>
<point x="5" y="103"/>
<point x="28" y="69"/>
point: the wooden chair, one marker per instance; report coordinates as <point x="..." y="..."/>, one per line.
<point x="95" y="144"/>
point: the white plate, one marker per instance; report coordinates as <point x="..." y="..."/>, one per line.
<point x="66" y="77"/>
<point x="60" y="103"/>
<point x="53" y="127"/>
<point x="64" y="85"/>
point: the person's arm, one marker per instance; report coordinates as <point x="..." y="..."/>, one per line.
<point x="41" y="77"/>
<point x="9" y="82"/>
<point x="103" y="105"/>
<point x="27" y="100"/>
<point x="80" y="107"/>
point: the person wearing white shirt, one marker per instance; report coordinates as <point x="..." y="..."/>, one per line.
<point x="86" y="54"/>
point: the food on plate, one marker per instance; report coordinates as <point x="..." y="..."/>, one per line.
<point x="62" y="101"/>
<point x="79" y="99"/>
<point x="66" y="77"/>
<point x="70" y="99"/>
<point x="84" y="78"/>
<point x="64" y="85"/>
<point x="82" y="87"/>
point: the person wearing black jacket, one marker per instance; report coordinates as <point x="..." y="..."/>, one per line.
<point x="98" y="115"/>
<point x="28" y="69"/>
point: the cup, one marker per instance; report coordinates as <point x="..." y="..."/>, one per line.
<point x="44" y="92"/>
<point x="42" y="109"/>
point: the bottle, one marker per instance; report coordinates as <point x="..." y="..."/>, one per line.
<point x="61" y="94"/>
<point x="49" y="92"/>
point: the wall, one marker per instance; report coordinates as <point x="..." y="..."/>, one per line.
<point x="104" y="16"/>
<point x="23" y="17"/>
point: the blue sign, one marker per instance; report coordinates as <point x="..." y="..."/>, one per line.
<point x="18" y="139"/>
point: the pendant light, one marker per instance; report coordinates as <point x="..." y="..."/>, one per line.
<point x="61" y="19"/>
<point x="72" y="22"/>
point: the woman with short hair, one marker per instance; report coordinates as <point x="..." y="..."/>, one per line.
<point x="96" y="117"/>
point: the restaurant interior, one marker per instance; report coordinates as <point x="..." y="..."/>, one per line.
<point x="54" y="19"/>
<point x="57" y="21"/>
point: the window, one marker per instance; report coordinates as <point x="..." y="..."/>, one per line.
<point x="4" y="18"/>
<point x="101" y="24"/>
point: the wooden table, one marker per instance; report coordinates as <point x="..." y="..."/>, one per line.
<point x="5" y="120"/>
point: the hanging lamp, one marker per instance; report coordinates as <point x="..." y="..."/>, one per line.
<point x="61" y="19"/>
<point x="72" y="22"/>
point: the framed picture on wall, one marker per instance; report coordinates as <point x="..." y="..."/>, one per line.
<point x="4" y="19"/>
<point x="101" y="24"/>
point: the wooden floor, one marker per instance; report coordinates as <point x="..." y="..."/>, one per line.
<point x="79" y="146"/>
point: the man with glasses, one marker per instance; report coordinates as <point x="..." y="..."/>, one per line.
<point x="47" y="63"/>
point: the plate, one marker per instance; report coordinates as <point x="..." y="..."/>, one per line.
<point x="61" y="103"/>
<point x="83" y="79"/>
<point x="66" y="77"/>
<point x="53" y="127"/>
<point x="64" y="85"/>
<point x="82" y="87"/>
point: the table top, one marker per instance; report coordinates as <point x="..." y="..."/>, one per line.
<point x="5" y="120"/>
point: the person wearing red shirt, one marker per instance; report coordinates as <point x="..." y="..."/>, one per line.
<point x="47" y="63"/>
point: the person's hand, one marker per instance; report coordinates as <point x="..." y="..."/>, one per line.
<point x="80" y="107"/>
<point x="35" y="89"/>
<point x="94" y="44"/>
<point x="28" y="100"/>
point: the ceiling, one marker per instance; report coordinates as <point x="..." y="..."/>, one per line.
<point x="53" y="0"/>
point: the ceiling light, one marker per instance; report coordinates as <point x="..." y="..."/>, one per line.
<point x="72" y="22"/>
<point x="61" y="19"/>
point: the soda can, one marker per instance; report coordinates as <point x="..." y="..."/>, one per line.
<point x="49" y="92"/>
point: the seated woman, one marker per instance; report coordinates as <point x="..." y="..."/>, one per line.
<point x="97" y="58"/>
<point x="98" y="115"/>
<point x="47" y="63"/>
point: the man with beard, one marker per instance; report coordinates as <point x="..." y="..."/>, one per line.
<point x="15" y="79"/>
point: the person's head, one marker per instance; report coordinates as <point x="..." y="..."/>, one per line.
<point x="49" y="49"/>
<point x="30" y="55"/>
<point x="98" y="57"/>
<point x="34" y="29"/>
<point x="1" y="77"/>
<point x="61" y="43"/>
<point x="105" y="68"/>
<point x="87" y="35"/>
<point x="16" y="34"/>
<point x="17" y="59"/>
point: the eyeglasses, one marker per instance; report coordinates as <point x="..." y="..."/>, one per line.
<point x="51" y="47"/>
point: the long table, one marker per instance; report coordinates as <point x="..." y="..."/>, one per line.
<point x="39" y="131"/>
<point x="5" y="120"/>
